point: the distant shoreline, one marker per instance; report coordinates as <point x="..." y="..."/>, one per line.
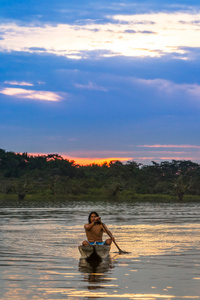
<point x="38" y="200"/>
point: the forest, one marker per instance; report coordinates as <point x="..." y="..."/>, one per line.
<point x="53" y="176"/>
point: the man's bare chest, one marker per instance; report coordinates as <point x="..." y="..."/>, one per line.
<point x="96" y="229"/>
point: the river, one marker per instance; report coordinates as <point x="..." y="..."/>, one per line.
<point x="39" y="256"/>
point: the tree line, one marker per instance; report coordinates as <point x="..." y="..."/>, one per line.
<point x="51" y="174"/>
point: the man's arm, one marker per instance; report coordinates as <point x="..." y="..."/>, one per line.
<point x="89" y="226"/>
<point x="109" y="233"/>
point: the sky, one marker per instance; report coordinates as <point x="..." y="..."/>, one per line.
<point x="96" y="81"/>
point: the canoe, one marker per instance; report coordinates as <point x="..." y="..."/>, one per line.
<point x="94" y="252"/>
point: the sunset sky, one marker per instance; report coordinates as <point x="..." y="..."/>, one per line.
<point x="101" y="80"/>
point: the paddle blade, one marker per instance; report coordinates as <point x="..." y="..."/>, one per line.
<point x="124" y="252"/>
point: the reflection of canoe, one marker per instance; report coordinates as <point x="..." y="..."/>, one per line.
<point x="94" y="270"/>
<point x="94" y="252"/>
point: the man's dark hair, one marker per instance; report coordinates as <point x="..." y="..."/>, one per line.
<point x="93" y="212"/>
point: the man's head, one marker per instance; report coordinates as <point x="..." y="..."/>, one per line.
<point x="92" y="215"/>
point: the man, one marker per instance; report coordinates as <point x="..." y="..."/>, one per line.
<point x="94" y="231"/>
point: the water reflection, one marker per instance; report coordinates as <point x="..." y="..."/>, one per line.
<point x="39" y="255"/>
<point x="94" y="271"/>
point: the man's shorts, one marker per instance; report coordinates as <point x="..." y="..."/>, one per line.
<point x="98" y="243"/>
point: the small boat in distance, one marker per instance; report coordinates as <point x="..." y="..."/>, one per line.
<point x="94" y="252"/>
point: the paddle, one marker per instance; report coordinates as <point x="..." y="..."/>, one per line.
<point x="108" y="233"/>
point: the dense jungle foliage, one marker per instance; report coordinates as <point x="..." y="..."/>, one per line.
<point x="50" y="174"/>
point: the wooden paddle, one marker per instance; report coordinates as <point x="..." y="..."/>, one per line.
<point x="108" y="233"/>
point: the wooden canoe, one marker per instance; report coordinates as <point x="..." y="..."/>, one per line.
<point x="94" y="252"/>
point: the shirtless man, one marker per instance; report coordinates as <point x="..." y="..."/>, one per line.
<point x="94" y="231"/>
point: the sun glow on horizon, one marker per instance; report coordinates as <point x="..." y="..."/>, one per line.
<point x="143" y="157"/>
<point x="87" y="160"/>
<point x="95" y="160"/>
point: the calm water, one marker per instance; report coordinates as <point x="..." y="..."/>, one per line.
<point x="39" y="258"/>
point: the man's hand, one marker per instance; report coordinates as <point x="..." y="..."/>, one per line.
<point x="97" y="219"/>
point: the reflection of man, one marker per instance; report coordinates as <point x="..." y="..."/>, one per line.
<point x="94" y="231"/>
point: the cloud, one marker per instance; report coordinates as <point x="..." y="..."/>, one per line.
<point x="20" y="83"/>
<point x="159" y="152"/>
<point x="153" y="35"/>
<point x="170" y="87"/>
<point x="38" y="49"/>
<point x="90" y="86"/>
<point x="170" y="146"/>
<point x="31" y="94"/>
<point x="130" y="31"/>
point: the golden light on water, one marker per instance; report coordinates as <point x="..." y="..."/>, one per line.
<point x="158" y="239"/>
<point x="49" y="262"/>
<point x="139" y="240"/>
<point x="83" y="294"/>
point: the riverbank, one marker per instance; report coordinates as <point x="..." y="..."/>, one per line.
<point x="38" y="200"/>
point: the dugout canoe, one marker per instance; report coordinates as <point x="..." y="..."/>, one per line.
<point x="94" y="252"/>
